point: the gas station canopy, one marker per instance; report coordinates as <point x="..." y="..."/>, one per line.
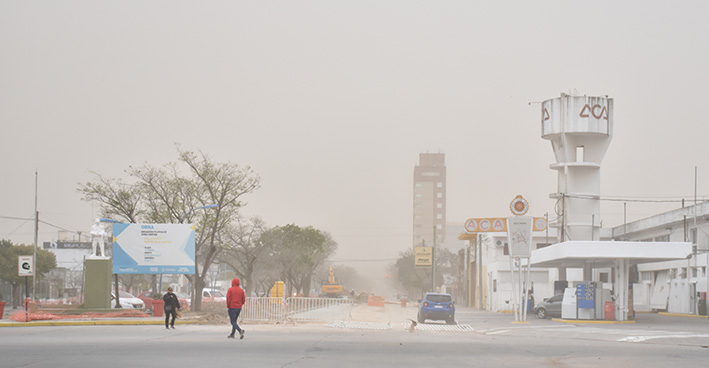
<point x="577" y="254"/>
<point x="618" y="255"/>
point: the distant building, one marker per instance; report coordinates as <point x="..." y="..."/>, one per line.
<point x="429" y="199"/>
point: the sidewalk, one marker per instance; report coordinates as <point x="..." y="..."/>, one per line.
<point x="79" y="320"/>
<point x="390" y="313"/>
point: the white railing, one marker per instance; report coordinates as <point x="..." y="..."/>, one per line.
<point x="268" y="309"/>
<point x="263" y="309"/>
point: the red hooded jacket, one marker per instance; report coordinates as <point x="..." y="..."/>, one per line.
<point x="235" y="297"/>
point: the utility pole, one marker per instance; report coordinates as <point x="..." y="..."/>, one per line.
<point x="36" y="230"/>
<point x="479" y="292"/>
<point x="433" y="262"/>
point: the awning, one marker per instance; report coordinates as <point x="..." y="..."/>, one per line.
<point x="577" y="254"/>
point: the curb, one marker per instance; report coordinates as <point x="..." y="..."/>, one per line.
<point x="681" y="315"/>
<point x="591" y="321"/>
<point x="93" y="323"/>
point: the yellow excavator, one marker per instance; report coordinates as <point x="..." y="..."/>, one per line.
<point x="331" y="289"/>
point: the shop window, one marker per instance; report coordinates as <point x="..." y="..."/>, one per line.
<point x="603" y="277"/>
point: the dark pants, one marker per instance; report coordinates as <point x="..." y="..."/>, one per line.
<point x="233" y="316"/>
<point x="172" y="313"/>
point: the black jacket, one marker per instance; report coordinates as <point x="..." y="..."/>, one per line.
<point x="171" y="302"/>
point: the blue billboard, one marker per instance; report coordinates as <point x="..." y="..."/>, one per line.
<point x="153" y="248"/>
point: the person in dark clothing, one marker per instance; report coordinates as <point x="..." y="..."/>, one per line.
<point x="172" y="304"/>
<point x="235" y="299"/>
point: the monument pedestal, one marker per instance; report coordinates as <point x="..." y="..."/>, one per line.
<point x="97" y="284"/>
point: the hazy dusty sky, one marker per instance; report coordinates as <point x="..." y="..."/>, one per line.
<point x="331" y="102"/>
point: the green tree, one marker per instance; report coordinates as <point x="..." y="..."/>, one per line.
<point x="46" y="261"/>
<point x="243" y="249"/>
<point x="266" y="272"/>
<point x="414" y="280"/>
<point x="298" y="252"/>
<point x="418" y="280"/>
<point x="168" y="194"/>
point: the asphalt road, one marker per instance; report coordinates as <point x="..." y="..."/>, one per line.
<point x="493" y="341"/>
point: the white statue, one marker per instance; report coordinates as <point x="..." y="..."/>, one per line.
<point x="98" y="233"/>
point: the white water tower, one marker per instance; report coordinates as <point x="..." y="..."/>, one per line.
<point x="580" y="129"/>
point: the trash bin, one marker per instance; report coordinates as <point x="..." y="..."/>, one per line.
<point x="2" y="308"/>
<point x="609" y="311"/>
<point x="158" y="306"/>
<point x="702" y="307"/>
<point x="403" y="303"/>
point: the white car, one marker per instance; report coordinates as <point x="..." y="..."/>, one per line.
<point x="213" y="295"/>
<point x="128" y="301"/>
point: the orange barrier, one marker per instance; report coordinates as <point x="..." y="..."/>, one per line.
<point x="19" y="316"/>
<point x="375" y="301"/>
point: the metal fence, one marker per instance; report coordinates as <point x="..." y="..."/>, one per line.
<point x="266" y="309"/>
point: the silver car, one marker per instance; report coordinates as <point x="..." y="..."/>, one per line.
<point x="549" y="307"/>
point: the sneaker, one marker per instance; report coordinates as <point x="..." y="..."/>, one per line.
<point x="167" y="328"/>
<point x="172" y="327"/>
<point x="241" y="334"/>
<point x="230" y="336"/>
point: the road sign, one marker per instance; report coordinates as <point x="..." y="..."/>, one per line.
<point x="497" y="224"/>
<point x="520" y="236"/>
<point x="423" y="257"/>
<point x="25" y="265"/>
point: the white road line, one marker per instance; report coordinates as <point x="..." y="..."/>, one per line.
<point x="646" y="338"/>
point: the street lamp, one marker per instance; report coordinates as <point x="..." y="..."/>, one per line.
<point x="198" y="208"/>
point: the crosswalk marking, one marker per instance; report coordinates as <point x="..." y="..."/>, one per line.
<point x="359" y="325"/>
<point x="426" y="327"/>
<point x="406" y="326"/>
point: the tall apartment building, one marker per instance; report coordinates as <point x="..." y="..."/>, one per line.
<point x="430" y="199"/>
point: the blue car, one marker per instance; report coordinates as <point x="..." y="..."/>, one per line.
<point x="437" y="307"/>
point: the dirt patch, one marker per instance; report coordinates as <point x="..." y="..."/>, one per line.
<point x="211" y="313"/>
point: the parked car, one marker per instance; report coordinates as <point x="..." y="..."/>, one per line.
<point x="549" y="307"/>
<point x="213" y="295"/>
<point x="184" y="301"/>
<point x="147" y="298"/>
<point x="435" y="306"/>
<point x="127" y="301"/>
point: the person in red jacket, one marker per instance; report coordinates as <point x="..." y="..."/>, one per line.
<point x="235" y="299"/>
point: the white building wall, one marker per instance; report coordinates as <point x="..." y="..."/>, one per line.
<point x="671" y="286"/>
<point x="499" y="278"/>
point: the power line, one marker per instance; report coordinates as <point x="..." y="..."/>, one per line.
<point x="59" y="227"/>
<point x="32" y="219"/>
<point x="620" y="199"/>
<point x="16" y="218"/>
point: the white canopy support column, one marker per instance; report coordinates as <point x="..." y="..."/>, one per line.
<point x="620" y="289"/>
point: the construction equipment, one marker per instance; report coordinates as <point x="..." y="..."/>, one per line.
<point x="331" y="289"/>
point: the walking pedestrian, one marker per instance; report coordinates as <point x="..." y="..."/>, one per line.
<point x="235" y="299"/>
<point x="172" y="304"/>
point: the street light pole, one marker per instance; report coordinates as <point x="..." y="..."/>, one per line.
<point x="36" y="230"/>
<point x="198" y="208"/>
